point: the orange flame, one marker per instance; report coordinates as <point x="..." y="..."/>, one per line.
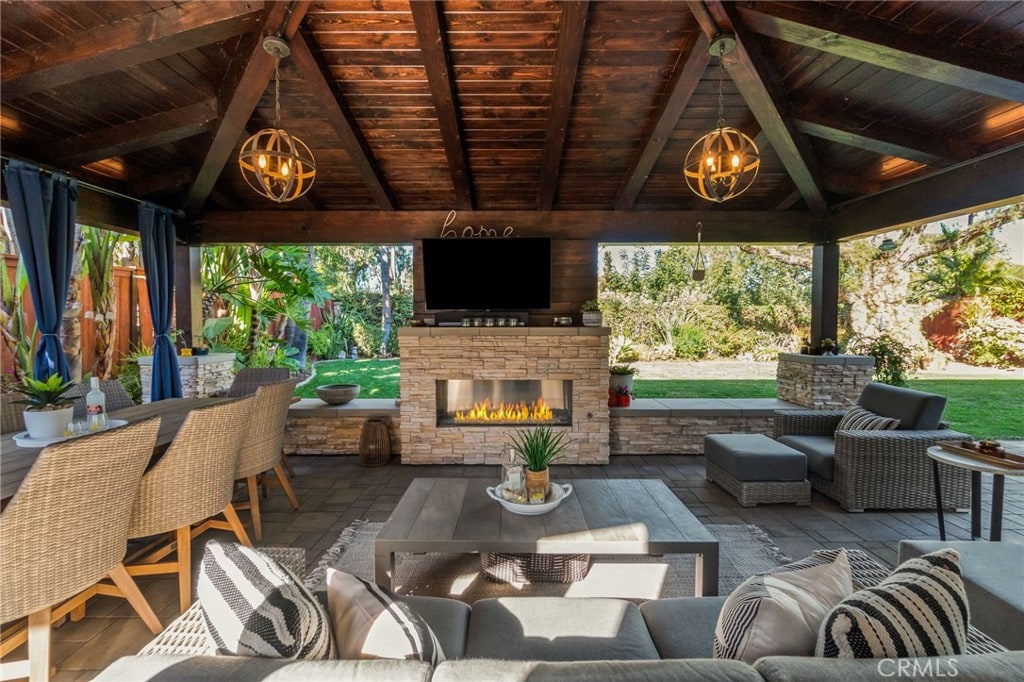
<point x="484" y="412"/>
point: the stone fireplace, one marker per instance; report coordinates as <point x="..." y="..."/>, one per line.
<point x="465" y="390"/>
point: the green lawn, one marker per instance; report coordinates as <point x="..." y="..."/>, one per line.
<point x="986" y="408"/>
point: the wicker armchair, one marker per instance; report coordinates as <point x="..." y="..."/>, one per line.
<point x="12" y="414"/>
<point x="117" y="397"/>
<point x="877" y="469"/>
<point x="249" y="379"/>
<point x="193" y="481"/>
<point x="65" y="529"/>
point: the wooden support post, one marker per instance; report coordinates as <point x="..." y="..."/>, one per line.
<point x="188" y="294"/>
<point x="824" y="292"/>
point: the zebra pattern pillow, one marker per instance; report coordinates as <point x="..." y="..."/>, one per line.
<point x="859" y="419"/>
<point x="254" y="606"/>
<point x="370" y="623"/>
<point x="779" y="613"/>
<point x="919" y="610"/>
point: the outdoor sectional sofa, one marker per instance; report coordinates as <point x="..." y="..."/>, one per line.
<point x="557" y="638"/>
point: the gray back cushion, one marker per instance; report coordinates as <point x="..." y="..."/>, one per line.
<point x="916" y="410"/>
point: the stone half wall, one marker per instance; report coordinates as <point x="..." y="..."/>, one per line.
<point x="429" y="354"/>
<point x="316" y="428"/>
<point x="671" y="435"/>
<point x="202" y="376"/>
<point x="823" y="382"/>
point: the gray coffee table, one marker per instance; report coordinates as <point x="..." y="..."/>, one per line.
<point x="602" y="516"/>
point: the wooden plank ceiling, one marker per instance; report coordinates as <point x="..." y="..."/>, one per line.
<point x="563" y="118"/>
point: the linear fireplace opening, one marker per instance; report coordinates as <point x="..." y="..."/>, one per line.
<point x="500" y="402"/>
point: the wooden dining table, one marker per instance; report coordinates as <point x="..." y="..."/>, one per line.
<point x="16" y="461"/>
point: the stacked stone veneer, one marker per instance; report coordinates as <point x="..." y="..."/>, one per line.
<point x="429" y="354"/>
<point x="674" y="435"/>
<point x="315" y="428"/>
<point x="202" y="376"/>
<point x="821" y="381"/>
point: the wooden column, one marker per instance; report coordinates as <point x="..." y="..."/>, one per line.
<point x="188" y="293"/>
<point x="825" y="292"/>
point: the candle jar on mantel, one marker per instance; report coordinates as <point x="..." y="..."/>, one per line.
<point x="513" y="484"/>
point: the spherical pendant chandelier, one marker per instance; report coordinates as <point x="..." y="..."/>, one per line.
<point x="277" y="165"/>
<point x="722" y="164"/>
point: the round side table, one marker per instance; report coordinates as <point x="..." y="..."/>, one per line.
<point x="977" y="468"/>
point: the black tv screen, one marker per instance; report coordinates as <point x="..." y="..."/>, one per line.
<point x="480" y="273"/>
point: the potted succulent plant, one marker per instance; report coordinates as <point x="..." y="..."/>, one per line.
<point x="621" y="375"/>
<point x="49" y="410"/>
<point x="537" y="448"/>
<point x="591" y="314"/>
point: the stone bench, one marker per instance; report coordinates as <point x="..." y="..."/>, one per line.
<point x="316" y="428"/>
<point x="677" y="426"/>
<point x="756" y="469"/>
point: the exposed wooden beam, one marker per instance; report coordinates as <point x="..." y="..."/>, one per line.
<point x="761" y="88"/>
<point x="878" y="137"/>
<point x="986" y="182"/>
<point x="883" y="43"/>
<point x="849" y="183"/>
<point x="426" y="15"/>
<point x="567" y="60"/>
<point x="111" y="47"/>
<point x="162" y="182"/>
<point x="335" y="110"/>
<point x="151" y="131"/>
<point x="685" y="77"/>
<point x="326" y="227"/>
<point x="248" y="75"/>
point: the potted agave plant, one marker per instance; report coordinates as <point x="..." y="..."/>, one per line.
<point x="49" y="410"/>
<point x="537" y="448"/>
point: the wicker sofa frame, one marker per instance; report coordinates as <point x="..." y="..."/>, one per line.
<point x="880" y="469"/>
<point x="751" y="493"/>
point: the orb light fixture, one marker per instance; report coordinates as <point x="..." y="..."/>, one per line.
<point x="722" y="164"/>
<point x="276" y="164"/>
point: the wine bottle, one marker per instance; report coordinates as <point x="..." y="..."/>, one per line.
<point x="96" y="406"/>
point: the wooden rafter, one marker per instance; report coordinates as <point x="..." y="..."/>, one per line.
<point x="748" y="66"/>
<point x="685" y="77"/>
<point x="163" y="32"/>
<point x="882" y="43"/>
<point x="990" y="181"/>
<point x="340" y="118"/>
<point x="567" y="59"/>
<point x="293" y="227"/>
<point x="247" y="78"/>
<point x="426" y="15"/>
<point x="162" y="182"/>
<point x="151" y="131"/>
<point x="879" y="137"/>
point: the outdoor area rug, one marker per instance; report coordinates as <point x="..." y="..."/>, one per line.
<point x="744" y="550"/>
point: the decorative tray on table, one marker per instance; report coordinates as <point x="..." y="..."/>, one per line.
<point x="993" y="454"/>
<point x="556" y="493"/>
<point x="24" y="440"/>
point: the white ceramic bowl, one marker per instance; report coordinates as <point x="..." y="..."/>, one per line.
<point x="556" y="493"/>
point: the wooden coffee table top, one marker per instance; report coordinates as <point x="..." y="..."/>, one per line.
<point x="602" y="516"/>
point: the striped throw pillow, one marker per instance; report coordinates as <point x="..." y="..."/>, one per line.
<point x="779" y="613"/>
<point x="919" y="610"/>
<point x="370" y="623"/>
<point x="254" y="606"/>
<point x="859" y="419"/>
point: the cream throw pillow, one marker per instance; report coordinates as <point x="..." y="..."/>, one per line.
<point x="779" y="613"/>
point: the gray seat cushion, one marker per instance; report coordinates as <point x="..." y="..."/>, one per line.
<point x="1008" y="665"/>
<point x="820" y="452"/>
<point x="665" y="619"/>
<point x="247" y="669"/>
<point x="754" y="457"/>
<point x="916" y="410"/>
<point x="994" y="580"/>
<point x="448" y="618"/>
<point x="706" y="670"/>
<point x="558" y="629"/>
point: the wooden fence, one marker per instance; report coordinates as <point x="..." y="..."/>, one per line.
<point x="131" y="315"/>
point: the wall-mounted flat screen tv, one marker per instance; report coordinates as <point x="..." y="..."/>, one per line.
<point x="481" y="273"/>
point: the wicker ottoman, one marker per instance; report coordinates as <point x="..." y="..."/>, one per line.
<point x="756" y="469"/>
<point x="534" y="568"/>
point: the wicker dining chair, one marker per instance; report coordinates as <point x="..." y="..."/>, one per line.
<point x="261" y="454"/>
<point x="12" y="414"/>
<point x="249" y="379"/>
<point x="193" y="481"/>
<point x="65" y="529"/>
<point x="116" y="396"/>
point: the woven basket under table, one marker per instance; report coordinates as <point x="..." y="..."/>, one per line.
<point x="534" y="568"/>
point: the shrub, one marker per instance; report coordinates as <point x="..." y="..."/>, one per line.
<point x="690" y="342"/>
<point x="892" y="358"/>
<point x="992" y="342"/>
